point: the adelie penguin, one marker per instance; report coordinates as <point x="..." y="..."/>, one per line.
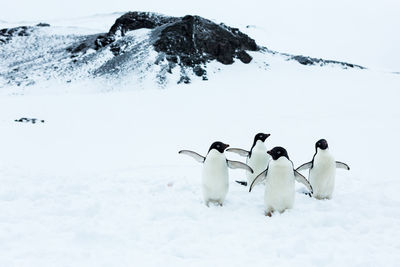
<point x="279" y="182"/>
<point x="215" y="177"/>
<point x="322" y="170"/>
<point x="257" y="157"/>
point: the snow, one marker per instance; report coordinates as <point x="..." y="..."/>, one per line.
<point x="100" y="183"/>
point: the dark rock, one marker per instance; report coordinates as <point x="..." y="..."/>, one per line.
<point x="103" y="40"/>
<point x="115" y="49"/>
<point x="199" y="71"/>
<point x="244" y="57"/>
<point x="304" y="60"/>
<point x="7" y="34"/>
<point x="42" y="24"/>
<point x="196" y="40"/>
<point x="184" y="79"/>
<point x="89" y="42"/>
<point x="138" y="20"/>
<point x="31" y="120"/>
<point x="314" y="61"/>
<point x="79" y="48"/>
<point x="132" y="21"/>
<point x="190" y="41"/>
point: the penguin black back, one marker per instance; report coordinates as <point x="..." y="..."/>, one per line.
<point x="278" y="152"/>
<point x="219" y="146"/>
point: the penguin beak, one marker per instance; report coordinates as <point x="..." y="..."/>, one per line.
<point x="226" y="146"/>
<point x="269" y="152"/>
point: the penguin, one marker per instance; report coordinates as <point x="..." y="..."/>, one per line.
<point x="257" y="157"/>
<point x="322" y="170"/>
<point x="279" y="182"/>
<point x="215" y="178"/>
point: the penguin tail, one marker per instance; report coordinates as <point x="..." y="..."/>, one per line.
<point x="242" y="183"/>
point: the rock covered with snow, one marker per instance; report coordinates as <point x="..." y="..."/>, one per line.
<point x="189" y="41"/>
<point x="139" y="47"/>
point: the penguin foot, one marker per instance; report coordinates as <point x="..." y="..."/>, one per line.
<point x="214" y="202"/>
<point x="242" y="183"/>
<point x="269" y="214"/>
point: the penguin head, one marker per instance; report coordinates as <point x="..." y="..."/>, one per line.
<point x="321" y="144"/>
<point x="261" y="136"/>
<point x="219" y="146"/>
<point x="278" y="152"/>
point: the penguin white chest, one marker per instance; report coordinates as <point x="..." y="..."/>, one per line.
<point x="215" y="177"/>
<point x="322" y="174"/>
<point x="258" y="161"/>
<point x="279" y="188"/>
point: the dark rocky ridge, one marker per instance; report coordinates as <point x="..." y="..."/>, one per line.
<point x="189" y="41"/>
<point x="319" y="61"/>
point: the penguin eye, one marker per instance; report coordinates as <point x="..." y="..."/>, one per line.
<point x="278" y="152"/>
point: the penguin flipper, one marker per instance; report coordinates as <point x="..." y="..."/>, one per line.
<point x="238" y="165"/>
<point x="261" y="177"/>
<point x="303" y="180"/>
<point x="193" y="154"/>
<point x="342" y="165"/>
<point x="241" y="152"/>
<point x="305" y="166"/>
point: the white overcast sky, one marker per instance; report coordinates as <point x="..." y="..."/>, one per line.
<point x="361" y="32"/>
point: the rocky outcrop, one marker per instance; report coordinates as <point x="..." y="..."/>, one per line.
<point x="132" y="21"/>
<point x="194" y="40"/>
<point x="319" y="61"/>
<point x="189" y="41"/>
<point x="7" y="34"/>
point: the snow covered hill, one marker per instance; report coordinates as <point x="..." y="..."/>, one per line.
<point x="100" y="182"/>
<point x="140" y="47"/>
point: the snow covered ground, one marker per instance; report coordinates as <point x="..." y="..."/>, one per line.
<point x="100" y="183"/>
